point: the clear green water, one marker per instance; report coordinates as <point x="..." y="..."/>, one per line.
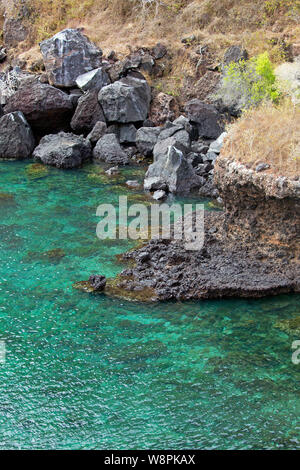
<point x="91" y="372"/>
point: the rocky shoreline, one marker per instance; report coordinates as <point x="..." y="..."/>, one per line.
<point x="87" y="107"/>
<point x="252" y="249"/>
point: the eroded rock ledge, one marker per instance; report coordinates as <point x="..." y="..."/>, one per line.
<point x="251" y="249"/>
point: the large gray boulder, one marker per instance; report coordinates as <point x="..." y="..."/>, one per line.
<point x="172" y="170"/>
<point x="180" y="139"/>
<point x="126" y="100"/>
<point x="127" y="134"/>
<point x="93" y="80"/>
<point x="88" y="113"/>
<point x="67" y="55"/>
<point x="178" y="134"/>
<point x="109" y="150"/>
<point x="63" y="150"/>
<point x="205" y="117"/>
<point x="146" y="138"/>
<point x="16" y="138"/>
<point x="217" y="145"/>
<point x="45" y="107"/>
<point x="97" y="132"/>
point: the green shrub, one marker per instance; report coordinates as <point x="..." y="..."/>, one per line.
<point x="248" y="83"/>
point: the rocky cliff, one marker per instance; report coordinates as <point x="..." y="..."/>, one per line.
<point x="250" y="250"/>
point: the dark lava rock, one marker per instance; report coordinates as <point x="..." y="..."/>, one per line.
<point x="127" y="134"/>
<point x="159" y="51"/>
<point x="88" y="113"/>
<point x="220" y="269"/>
<point x="126" y="101"/>
<point x="45" y="107"/>
<point x="235" y="54"/>
<point x="262" y="167"/>
<point x="3" y="54"/>
<point x="109" y="150"/>
<point x="98" y="283"/>
<point x="173" y="170"/>
<point x="63" y="150"/>
<point x="205" y="117"/>
<point x="14" y="32"/>
<point x="98" y="131"/>
<point x="67" y="55"/>
<point x="93" y="80"/>
<point x="146" y="138"/>
<point x="16" y="138"/>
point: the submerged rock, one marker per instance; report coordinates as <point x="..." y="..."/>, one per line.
<point x="36" y="170"/>
<point x="16" y="138"/>
<point x="126" y="100"/>
<point x="63" y="150"/>
<point x="53" y="256"/>
<point x="7" y="198"/>
<point x="67" y="55"/>
<point x="109" y="150"/>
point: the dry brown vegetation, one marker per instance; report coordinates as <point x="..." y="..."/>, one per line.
<point x="268" y="134"/>
<point x="114" y="24"/>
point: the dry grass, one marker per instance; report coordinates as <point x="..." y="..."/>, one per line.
<point x="258" y="25"/>
<point x="140" y="23"/>
<point x="270" y="135"/>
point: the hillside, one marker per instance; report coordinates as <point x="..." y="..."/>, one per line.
<point x="183" y="25"/>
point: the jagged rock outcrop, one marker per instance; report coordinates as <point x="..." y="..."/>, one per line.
<point x="109" y="150"/>
<point x="171" y="170"/>
<point x="252" y="249"/>
<point x="14" y="28"/>
<point x="63" y="150"/>
<point x="88" y="112"/>
<point x="235" y="54"/>
<point x="163" y="108"/>
<point x="126" y="100"/>
<point x="97" y="132"/>
<point x="45" y="107"/>
<point x="67" y="55"/>
<point x="146" y="138"/>
<point x="16" y="138"/>
<point x="93" y="80"/>
<point x="260" y="207"/>
<point x="205" y="118"/>
<point x="127" y="134"/>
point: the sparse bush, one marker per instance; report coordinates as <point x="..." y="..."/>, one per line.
<point x="248" y="83"/>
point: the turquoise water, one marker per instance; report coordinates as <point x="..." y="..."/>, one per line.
<point x="92" y="372"/>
